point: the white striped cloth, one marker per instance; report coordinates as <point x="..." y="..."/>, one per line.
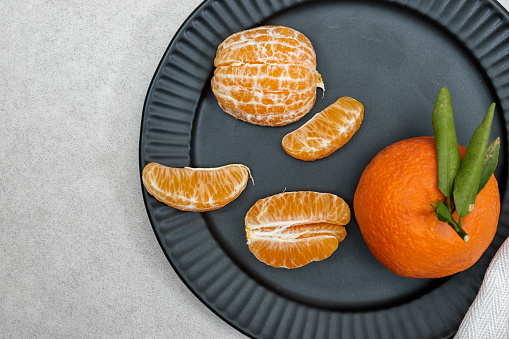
<point x="488" y="316"/>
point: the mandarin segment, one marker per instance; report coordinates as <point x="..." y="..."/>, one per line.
<point x="195" y="189"/>
<point x="266" y="76"/>
<point x="326" y="132"/>
<point x="292" y="229"/>
<point x="294" y="254"/>
<point x="393" y="206"/>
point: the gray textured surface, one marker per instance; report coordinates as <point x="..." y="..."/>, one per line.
<point x="78" y="257"/>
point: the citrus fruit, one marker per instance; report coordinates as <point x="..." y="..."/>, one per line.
<point x="292" y="229"/>
<point x="326" y="132"/>
<point x="266" y="75"/>
<point x="195" y="189"/>
<point x="393" y="205"/>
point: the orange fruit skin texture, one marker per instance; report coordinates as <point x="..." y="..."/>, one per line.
<point x="393" y="207"/>
<point x="292" y="229"/>
<point x="195" y="189"/>
<point x="326" y="132"/>
<point x="266" y="75"/>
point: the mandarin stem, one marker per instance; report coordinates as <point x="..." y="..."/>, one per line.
<point x="460" y="231"/>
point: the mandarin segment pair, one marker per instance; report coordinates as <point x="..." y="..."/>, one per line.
<point x="292" y="229"/>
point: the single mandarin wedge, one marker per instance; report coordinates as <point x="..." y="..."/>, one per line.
<point x="195" y="189"/>
<point x="266" y="75"/>
<point x="393" y="206"/>
<point x="326" y="132"/>
<point x="292" y="229"/>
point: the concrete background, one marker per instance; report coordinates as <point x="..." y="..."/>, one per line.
<point x="78" y="257"/>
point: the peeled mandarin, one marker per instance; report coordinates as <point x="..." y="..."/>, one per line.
<point x="266" y="75"/>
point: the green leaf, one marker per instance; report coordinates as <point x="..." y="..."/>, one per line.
<point x="448" y="155"/>
<point x="490" y="163"/>
<point x="467" y="180"/>
<point x="444" y="214"/>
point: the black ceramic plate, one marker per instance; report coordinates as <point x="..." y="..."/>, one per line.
<point x="393" y="56"/>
